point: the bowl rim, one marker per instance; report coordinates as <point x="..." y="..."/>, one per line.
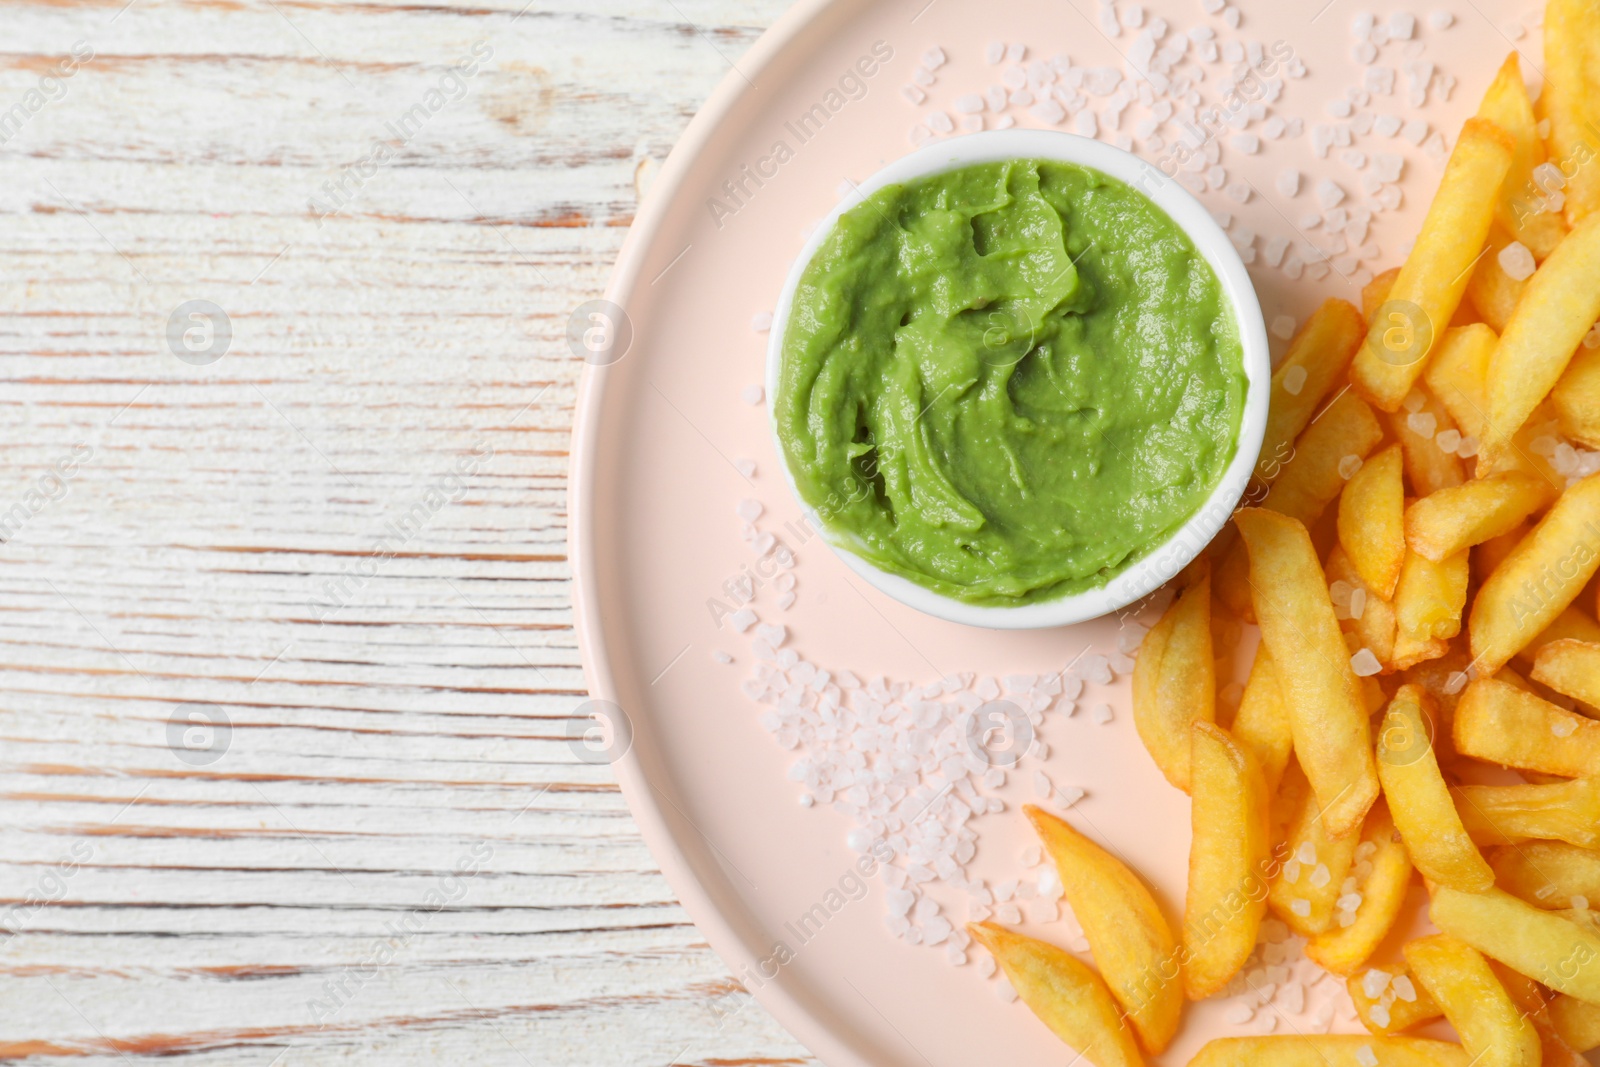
<point x="1158" y="566"/>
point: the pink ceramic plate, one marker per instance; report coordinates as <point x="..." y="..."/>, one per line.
<point x="663" y="432"/>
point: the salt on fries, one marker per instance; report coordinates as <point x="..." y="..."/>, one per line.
<point x="1395" y="581"/>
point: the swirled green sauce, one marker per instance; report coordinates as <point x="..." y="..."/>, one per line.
<point x="1008" y="382"/>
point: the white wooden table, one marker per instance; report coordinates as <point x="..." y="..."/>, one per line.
<point x="286" y="632"/>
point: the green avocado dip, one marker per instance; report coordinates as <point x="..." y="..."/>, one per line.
<point x="1008" y="382"/>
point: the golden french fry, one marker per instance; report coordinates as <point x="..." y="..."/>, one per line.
<point x="1374" y="627"/>
<point x="1343" y="949"/>
<point x="1390" y="1012"/>
<point x="1548" y="874"/>
<point x="1492" y="1028"/>
<point x="1229" y="856"/>
<point x="1576" y="398"/>
<point x="1372" y="513"/>
<point x="1375" y="292"/>
<point x="1327" y="713"/>
<point x="1506" y="814"/>
<point x="1540" y="577"/>
<point x="1493" y="552"/>
<point x="1457" y="372"/>
<point x="1317" y="358"/>
<point x="1493" y="293"/>
<point x="1419" y="799"/>
<point x="1434" y="277"/>
<point x="1453" y="519"/>
<point x="1262" y="723"/>
<point x="1175" y="681"/>
<point x="1310" y="481"/>
<point x="1562" y="954"/>
<point x="1307" y="885"/>
<point x="1312" y="478"/>
<point x="1559" y="307"/>
<point x="1570" y="667"/>
<point x="1577" y="1021"/>
<point x="1571" y="624"/>
<point x="1506" y="104"/>
<point x="1328" y="1050"/>
<point x="1133" y="945"/>
<point x="1571" y="101"/>
<point x="1429" y="467"/>
<point x="1534" y="1001"/>
<point x="1427" y="607"/>
<point x="1065" y="994"/>
<point x="1498" y="722"/>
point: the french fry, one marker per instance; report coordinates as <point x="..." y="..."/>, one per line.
<point x="1228" y="861"/>
<point x="1571" y="28"/>
<point x="1493" y="293"/>
<point x="1570" y="667"/>
<point x="1492" y="1028"/>
<point x="1542" y="945"/>
<point x="1133" y="945"/>
<point x="1262" y="723"/>
<point x="1559" y="307"/>
<point x="1493" y="552"/>
<point x="1571" y="624"/>
<point x="1548" y="874"/>
<point x="1175" y="681"/>
<point x="1577" y="1021"/>
<point x="1453" y="519"/>
<point x="1419" y="799"/>
<point x="1429" y="467"/>
<point x="1310" y="481"/>
<point x="1507" y="814"/>
<point x="1534" y="1001"/>
<point x="1317" y="358"/>
<point x="1065" y="994"/>
<point x="1506" y="104"/>
<point x="1498" y="722"/>
<point x="1328" y="1050"/>
<point x="1307" y="886"/>
<point x="1542" y="576"/>
<point x="1375" y="292"/>
<point x="1434" y="277"/>
<point x="1576" y="398"/>
<point x="1374" y="627"/>
<point x="1389" y="1013"/>
<point x="1427" y="607"/>
<point x="1458" y="371"/>
<point x="1372" y="513"/>
<point x="1344" y="949"/>
<point x="1332" y="738"/>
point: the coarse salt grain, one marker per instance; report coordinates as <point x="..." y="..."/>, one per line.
<point x="1283" y="328"/>
<point x="1365" y="664"/>
<point x="1517" y="261"/>
<point x="1294" y="380"/>
<point x="1349" y="465"/>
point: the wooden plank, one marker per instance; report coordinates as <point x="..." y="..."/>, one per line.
<point x="346" y="537"/>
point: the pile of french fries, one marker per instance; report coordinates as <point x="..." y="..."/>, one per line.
<point x="1377" y="698"/>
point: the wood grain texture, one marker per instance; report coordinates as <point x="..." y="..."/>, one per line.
<point x="345" y="537"/>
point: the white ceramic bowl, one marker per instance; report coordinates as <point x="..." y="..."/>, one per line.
<point x="1152" y="571"/>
